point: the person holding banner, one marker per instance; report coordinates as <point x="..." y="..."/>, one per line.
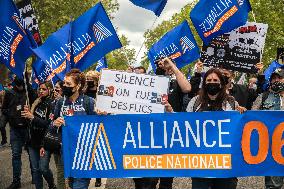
<point x="272" y="100"/>
<point x="179" y="85"/>
<point x="213" y="97"/>
<point x="92" y="78"/>
<point x="74" y="103"/>
<point x="244" y="95"/>
<point x="38" y="116"/>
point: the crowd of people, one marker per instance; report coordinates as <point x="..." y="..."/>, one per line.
<point x="35" y="117"/>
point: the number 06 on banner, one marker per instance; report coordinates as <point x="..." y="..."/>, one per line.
<point x="261" y="129"/>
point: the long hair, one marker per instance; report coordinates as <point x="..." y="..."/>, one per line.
<point x="49" y="87"/>
<point x="222" y="95"/>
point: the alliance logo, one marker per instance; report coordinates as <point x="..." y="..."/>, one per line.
<point x="186" y="44"/>
<point x="93" y="149"/>
<point x="101" y="32"/>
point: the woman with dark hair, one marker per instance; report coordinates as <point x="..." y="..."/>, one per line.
<point x="39" y="122"/>
<point x="213" y="97"/>
<point x="73" y="103"/>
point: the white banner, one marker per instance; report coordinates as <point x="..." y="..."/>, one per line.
<point x="121" y="92"/>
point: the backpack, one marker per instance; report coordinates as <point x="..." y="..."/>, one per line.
<point x="16" y="105"/>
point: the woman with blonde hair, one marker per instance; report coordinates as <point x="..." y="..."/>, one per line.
<point x="92" y="79"/>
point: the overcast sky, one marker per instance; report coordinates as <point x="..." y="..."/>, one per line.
<point x="133" y="21"/>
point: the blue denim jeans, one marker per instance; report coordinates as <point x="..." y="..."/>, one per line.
<point x="80" y="183"/>
<point x="18" y="138"/>
<point x="60" y="171"/>
<point x="40" y="167"/>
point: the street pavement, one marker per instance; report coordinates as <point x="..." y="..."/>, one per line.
<point x="179" y="183"/>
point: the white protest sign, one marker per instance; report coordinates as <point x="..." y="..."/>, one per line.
<point x="240" y="49"/>
<point x="130" y="93"/>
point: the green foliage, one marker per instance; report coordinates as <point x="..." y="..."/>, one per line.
<point x="268" y="12"/>
<point x="119" y="58"/>
<point x="271" y="13"/>
<point x="52" y="14"/>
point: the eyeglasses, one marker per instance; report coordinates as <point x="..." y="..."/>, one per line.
<point x="57" y="90"/>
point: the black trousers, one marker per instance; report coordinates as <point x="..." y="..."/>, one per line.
<point x="3" y="123"/>
<point x="214" y="183"/>
<point x="145" y="183"/>
<point x="151" y="183"/>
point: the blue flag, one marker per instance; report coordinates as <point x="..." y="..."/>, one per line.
<point x="15" y="40"/>
<point x="55" y="53"/>
<point x="35" y="82"/>
<point x="42" y="72"/>
<point x="1" y="87"/>
<point x="212" y="18"/>
<point x="93" y="36"/>
<point x="102" y="63"/>
<point x="272" y="67"/>
<point x="178" y="44"/>
<point x="157" y="6"/>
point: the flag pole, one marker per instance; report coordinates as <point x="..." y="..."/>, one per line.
<point x="253" y="15"/>
<point x="26" y="86"/>
<point x="145" y="39"/>
<point x="69" y="41"/>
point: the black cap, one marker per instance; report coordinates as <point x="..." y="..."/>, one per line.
<point x="279" y="72"/>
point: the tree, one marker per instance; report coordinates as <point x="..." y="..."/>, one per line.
<point x="52" y="15"/>
<point x="271" y="13"/>
<point x="119" y="58"/>
<point x="268" y="12"/>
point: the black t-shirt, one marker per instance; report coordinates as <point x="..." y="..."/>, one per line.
<point x="91" y="93"/>
<point x="175" y="96"/>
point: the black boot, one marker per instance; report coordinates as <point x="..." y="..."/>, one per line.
<point x="14" y="185"/>
<point x="98" y="182"/>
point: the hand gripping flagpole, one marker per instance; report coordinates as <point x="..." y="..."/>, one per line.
<point x="26" y="86"/>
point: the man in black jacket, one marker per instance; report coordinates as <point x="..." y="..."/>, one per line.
<point x="13" y="103"/>
<point x="244" y="95"/>
<point x="178" y="87"/>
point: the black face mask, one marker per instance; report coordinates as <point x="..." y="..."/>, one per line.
<point x="277" y="87"/>
<point x="213" y="88"/>
<point x="67" y="91"/>
<point x="19" y="82"/>
<point x="226" y="79"/>
<point x="90" y="84"/>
